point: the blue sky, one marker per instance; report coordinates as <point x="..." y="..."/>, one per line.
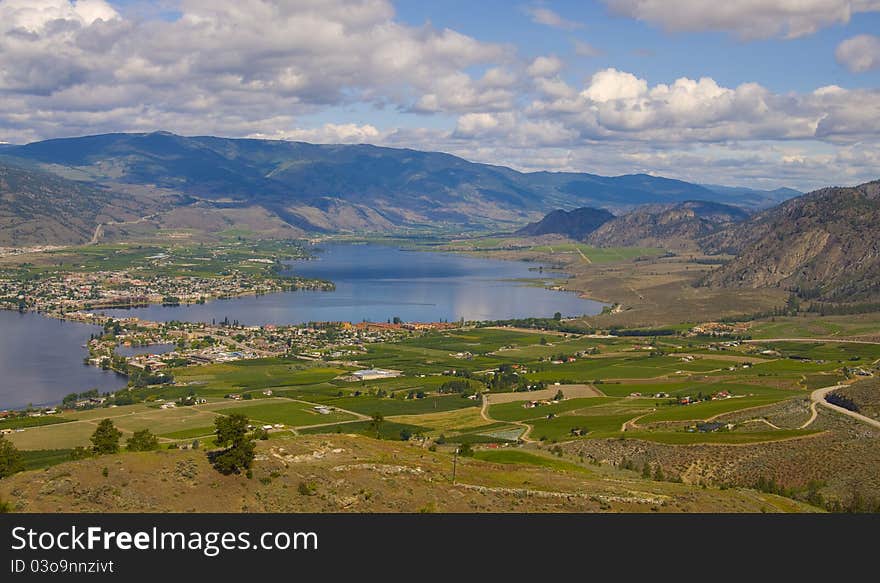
<point x="800" y="64"/>
<point x="764" y="94"/>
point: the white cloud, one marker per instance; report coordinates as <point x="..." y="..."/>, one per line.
<point x="542" y="15"/>
<point x="239" y="59"/>
<point x="327" y="134"/>
<point x="746" y="18"/>
<point x="545" y="66"/>
<point x="611" y="84"/>
<point x="33" y="16"/>
<point x="860" y="53"/>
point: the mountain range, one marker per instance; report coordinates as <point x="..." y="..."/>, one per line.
<point x="291" y="188"/>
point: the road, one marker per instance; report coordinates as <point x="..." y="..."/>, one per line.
<point x="485" y="415"/>
<point x="824" y="339"/>
<point x="818" y="397"/>
<point x="99" y="230"/>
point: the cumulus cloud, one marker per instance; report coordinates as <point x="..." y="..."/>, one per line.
<point x="245" y="60"/>
<point x="543" y="15"/>
<point x="545" y="66"/>
<point x="616" y="104"/>
<point x="860" y="53"/>
<point x="329" y="133"/>
<point x="746" y="18"/>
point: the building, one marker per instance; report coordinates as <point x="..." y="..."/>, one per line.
<point x="372" y="374"/>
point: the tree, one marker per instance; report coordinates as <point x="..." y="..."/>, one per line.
<point x="10" y="458"/>
<point x="559" y="395"/>
<point x="142" y="440"/>
<point x="105" y="439"/>
<point x="557" y="316"/>
<point x="376" y="422"/>
<point x="232" y="433"/>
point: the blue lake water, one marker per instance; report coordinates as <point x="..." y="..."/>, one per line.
<point x="377" y="282"/>
<point x="41" y="361"/>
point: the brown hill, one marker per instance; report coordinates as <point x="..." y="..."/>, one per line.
<point x="39" y="207"/>
<point x="668" y="226"/>
<point x="347" y="473"/>
<point x="575" y="224"/>
<point x="823" y="245"/>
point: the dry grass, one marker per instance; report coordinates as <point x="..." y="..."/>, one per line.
<point x="357" y="474"/>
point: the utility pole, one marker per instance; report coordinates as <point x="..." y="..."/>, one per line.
<point x="454" y="464"/>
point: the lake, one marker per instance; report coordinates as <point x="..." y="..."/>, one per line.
<point x="41" y="358"/>
<point x="378" y="282"/>
<point x="41" y="361"/>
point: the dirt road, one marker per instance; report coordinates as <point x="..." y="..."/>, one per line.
<point x="818" y="397"/>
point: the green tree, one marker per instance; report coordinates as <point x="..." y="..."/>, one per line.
<point x="376" y="422"/>
<point x="142" y="440"/>
<point x="232" y="433"/>
<point x="10" y="458"/>
<point x="658" y="474"/>
<point x="105" y="439"/>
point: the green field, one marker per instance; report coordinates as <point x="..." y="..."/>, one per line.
<point x="292" y="413"/>
<point x="600" y="254"/>
<point x="254" y="375"/>
<point x="387" y="429"/>
<point x="20" y="422"/>
<point x="515" y="456"/>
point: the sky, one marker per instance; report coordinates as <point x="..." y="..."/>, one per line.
<point x="758" y="93"/>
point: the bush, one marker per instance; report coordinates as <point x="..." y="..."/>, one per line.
<point x="10" y="458"/>
<point x="142" y="440"/>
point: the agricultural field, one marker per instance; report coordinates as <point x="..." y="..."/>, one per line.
<point x="148" y="260"/>
<point x="629" y="384"/>
<point x="291" y="413"/>
<point x="255" y="375"/>
<point x="632" y="394"/>
<point x="598" y="254"/>
<point x="816" y="326"/>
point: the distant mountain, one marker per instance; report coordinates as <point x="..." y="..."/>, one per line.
<point x="824" y="245"/>
<point x="669" y="226"/>
<point x="753" y="198"/>
<point x="300" y="187"/>
<point x="575" y="224"/>
<point x="40" y="207"/>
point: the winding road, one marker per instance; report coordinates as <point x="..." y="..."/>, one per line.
<point x="818" y="397"/>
